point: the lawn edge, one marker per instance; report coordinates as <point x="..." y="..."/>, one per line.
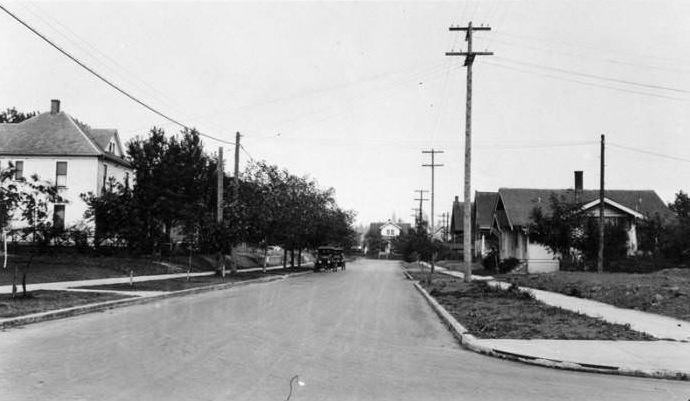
<point x="468" y="341"/>
<point x="18" y="321"/>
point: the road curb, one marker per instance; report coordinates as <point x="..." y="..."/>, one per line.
<point x="102" y="306"/>
<point x="469" y="342"/>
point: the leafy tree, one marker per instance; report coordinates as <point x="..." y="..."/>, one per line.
<point x="615" y="240"/>
<point x="561" y="229"/>
<point x="674" y="240"/>
<point x="417" y="244"/>
<point x="113" y="214"/>
<point x="12" y="116"/>
<point x="651" y="232"/>
<point x="373" y="241"/>
<point x="28" y="200"/>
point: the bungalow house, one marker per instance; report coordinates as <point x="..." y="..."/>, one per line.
<point x="67" y="153"/>
<point x="482" y="216"/>
<point x="513" y="214"/>
<point x="388" y="232"/>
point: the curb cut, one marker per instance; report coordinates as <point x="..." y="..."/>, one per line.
<point x="469" y="342"/>
<point x="103" y="306"/>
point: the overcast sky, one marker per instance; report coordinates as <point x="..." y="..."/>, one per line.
<point x="350" y="93"/>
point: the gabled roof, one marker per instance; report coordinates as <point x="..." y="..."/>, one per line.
<point x="404" y="227"/>
<point x="457" y="217"/>
<point x="57" y="134"/>
<point x="485" y="203"/>
<point x="520" y="202"/>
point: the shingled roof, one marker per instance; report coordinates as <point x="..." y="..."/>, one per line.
<point x="484" y="202"/>
<point x="520" y="202"/>
<point x="56" y="134"/>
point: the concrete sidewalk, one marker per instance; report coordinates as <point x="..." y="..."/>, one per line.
<point x="668" y="359"/>
<point x="71" y="285"/>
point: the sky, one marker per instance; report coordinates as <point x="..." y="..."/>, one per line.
<point x="351" y="93"/>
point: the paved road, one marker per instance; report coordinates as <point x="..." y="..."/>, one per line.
<point x="362" y="334"/>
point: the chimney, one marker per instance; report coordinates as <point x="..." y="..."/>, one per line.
<point x="578" y="185"/>
<point x="54" y="106"/>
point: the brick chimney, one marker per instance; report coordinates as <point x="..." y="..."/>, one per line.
<point x="578" y="185"/>
<point x="54" y="106"/>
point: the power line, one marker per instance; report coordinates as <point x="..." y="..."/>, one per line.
<point x="594" y="84"/>
<point x="109" y="83"/>
<point x="93" y="51"/>
<point x="600" y="77"/>
<point x="648" y="152"/>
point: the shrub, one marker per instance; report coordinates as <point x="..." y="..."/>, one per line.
<point x="508" y="264"/>
<point x="490" y="261"/>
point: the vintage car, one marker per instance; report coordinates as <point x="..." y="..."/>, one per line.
<point x="329" y="258"/>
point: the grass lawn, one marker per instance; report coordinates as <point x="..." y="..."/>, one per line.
<point x="179" y="284"/>
<point x="493" y="313"/>
<point x="65" y="267"/>
<point x="666" y="292"/>
<point x="41" y="301"/>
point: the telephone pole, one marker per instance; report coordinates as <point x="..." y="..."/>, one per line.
<point x="219" y="189"/>
<point x="444" y="225"/>
<point x="469" y="60"/>
<point x="219" y="208"/>
<point x="421" y="199"/>
<point x="600" y="259"/>
<point x="237" y="167"/>
<point x="433" y="166"/>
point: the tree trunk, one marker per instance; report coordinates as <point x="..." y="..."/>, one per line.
<point x="265" y="258"/>
<point x="299" y="258"/>
<point x="221" y="263"/>
<point x="292" y="257"/>
<point x="233" y="265"/>
<point x="285" y="258"/>
<point x="24" y="284"/>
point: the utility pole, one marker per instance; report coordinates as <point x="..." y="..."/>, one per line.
<point x="444" y="225"/>
<point x="219" y="189"/>
<point x="421" y="199"/>
<point x="469" y="60"/>
<point x="600" y="259"/>
<point x="433" y="166"/>
<point x="219" y="207"/>
<point x="237" y="167"/>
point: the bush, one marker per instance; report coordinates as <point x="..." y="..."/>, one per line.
<point x="490" y="261"/>
<point x="508" y="264"/>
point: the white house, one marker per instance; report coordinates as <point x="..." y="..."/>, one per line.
<point x="67" y="153"/>
<point x="513" y="215"/>
<point x="388" y="231"/>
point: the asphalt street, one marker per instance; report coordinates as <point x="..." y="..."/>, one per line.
<point x="361" y="334"/>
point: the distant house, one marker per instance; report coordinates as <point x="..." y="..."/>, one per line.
<point x="67" y="153"/>
<point x="513" y="214"/>
<point x="482" y="216"/>
<point x="388" y="231"/>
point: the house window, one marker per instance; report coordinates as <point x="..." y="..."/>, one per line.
<point x="61" y="174"/>
<point x="59" y="217"/>
<point x="111" y="147"/>
<point x="18" y="170"/>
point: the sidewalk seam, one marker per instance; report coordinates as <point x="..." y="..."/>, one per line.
<point x="468" y="341"/>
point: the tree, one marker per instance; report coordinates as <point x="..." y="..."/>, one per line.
<point x="12" y="116"/>
<point x="29" y="201"/>
<point x="561" y="229"/>
<point x="674" y="238"/>
<point x="373" y="241"/>
<point x="174" y="185"/>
